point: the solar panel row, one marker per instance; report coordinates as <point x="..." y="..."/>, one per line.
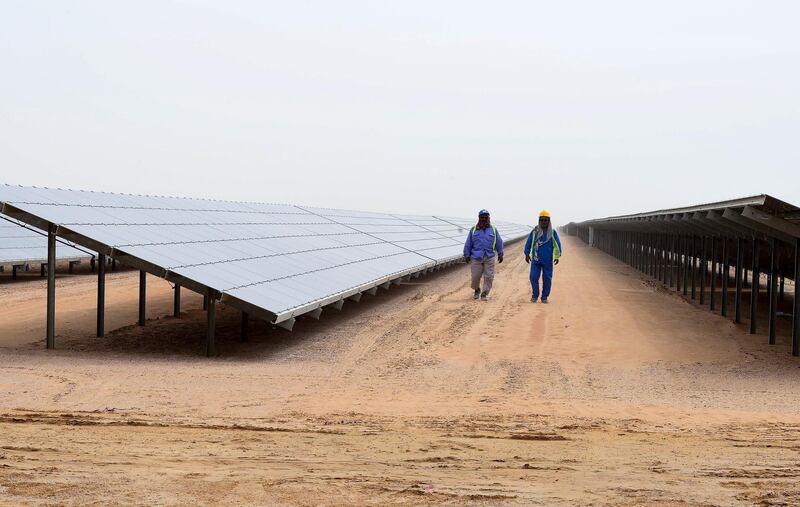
<point x="286" y="260"/>
<point x="22" y="245"/>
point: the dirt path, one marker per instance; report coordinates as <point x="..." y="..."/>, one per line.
<point x="617" y="393"/>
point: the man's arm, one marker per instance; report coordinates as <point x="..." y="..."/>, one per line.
<point x="558" y="242"/>
<point x="499" y="245"/>
<point x="468" y="245"/>
<point x="528" y="247"/>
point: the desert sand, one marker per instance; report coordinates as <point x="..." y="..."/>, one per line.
<point x="617" y="393"/>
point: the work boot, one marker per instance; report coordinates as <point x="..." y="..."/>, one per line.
<point x="477" y="294"/>
<point x="544" y="301"/>
<point x="484" y="296"/>
<point x="534" y="299"/>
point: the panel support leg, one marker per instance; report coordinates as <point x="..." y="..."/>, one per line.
<point x="703" y="270"/>
<point x="51" y="286"/>
<point x="755" y="285"/>
<point x="739" y="269"/>
<point x="796" y="302"/>
<point x="211" y="346"/>
<point x="712" y="295"/>
<point x="176" y="302"/>
<point x="694" y="268"/>
<point x="142" y="296"/>
<point x="101" y="295"/>
<point x="772" y="291"/>
<point x="726" y="270"/>
<point x="686" y="265"/>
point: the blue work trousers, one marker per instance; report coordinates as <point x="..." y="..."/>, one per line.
<point x="545" y="270"/>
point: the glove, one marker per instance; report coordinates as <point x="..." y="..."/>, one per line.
<point x="499" y="259"/>
<point x="467" y="259"/>
<point x="528" y="259"/>
<point x="555" y="261"/>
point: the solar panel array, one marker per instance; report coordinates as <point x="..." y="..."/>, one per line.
<point x="25" y="245"/>
<point x="284" y="259"/>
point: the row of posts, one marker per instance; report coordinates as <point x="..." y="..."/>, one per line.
<point x="690" y="263"/>
<point x="209" y="300"/>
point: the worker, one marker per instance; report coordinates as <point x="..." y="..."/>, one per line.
<point x="482" y="245"/>
<point x="542" y="250"/>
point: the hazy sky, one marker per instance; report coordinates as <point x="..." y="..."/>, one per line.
<point x="586" y="108"/>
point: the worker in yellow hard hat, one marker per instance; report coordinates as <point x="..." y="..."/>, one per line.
<point x="542" y="250"/>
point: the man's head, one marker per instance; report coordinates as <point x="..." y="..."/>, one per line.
<point x="483" y="218"/>
<point x="544" y="219"/>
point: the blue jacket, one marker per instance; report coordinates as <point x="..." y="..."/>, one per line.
<point x="548" y="250"/>
<point x="483" y="242"/>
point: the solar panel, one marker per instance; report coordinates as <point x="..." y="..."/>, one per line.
<point x="285" y="260"/>
<point x="23" y="245"/>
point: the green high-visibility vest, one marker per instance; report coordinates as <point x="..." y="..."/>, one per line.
<point x="535" y="238"/>
<point x="494" y="241"/>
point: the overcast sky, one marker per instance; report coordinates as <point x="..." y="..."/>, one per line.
<point x="588" y="109"/>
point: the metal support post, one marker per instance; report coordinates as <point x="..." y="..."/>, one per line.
<point x="712" y="294"/>
<point x="694" y="269"/>
<point x="686" y="265"/>
<point x="101" y="295"/>
<point x="142" y="296"/>
<point x="211" y="346"/>
<point x="773" y="290"/>
<point x="754" y="289"/>
<point x="796" y="302"/>
<point x="739" y="267"/>
<point x="51" y="287"/>
<point x="726" y="270"/>
<point x="703" y="270"/>
<point x="176" y="301"/>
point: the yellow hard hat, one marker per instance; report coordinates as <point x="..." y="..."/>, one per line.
<point x="544" y="213"/>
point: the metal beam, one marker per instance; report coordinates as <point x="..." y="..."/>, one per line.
<point x="782" y="229"/>
<point x="772" y="291"/>
<point x="685" y="265"/>
<point x="694" y="266"/>
<point x="703" y="269"/>
<point x="51" y="286"/>
<point x="753" y="225"/>
<point x="176" y="301"/>
<point x="142" y="296"/>
<point x="754" y="288"/>
<point x="101" y="295"/>
<point x="286" y="324"/>
<point x="726" y="274"/>
<point x="739" y="268"/>
<point x="211" y="325"/>
<point x="734" y="229"/>
<point x="796" y="303"/>
<point x="712" y="295"/>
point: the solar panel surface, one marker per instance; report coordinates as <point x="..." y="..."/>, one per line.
<point x="286" y="260"/>
<point x="23" y="245"/>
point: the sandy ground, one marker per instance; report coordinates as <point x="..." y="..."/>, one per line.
<point x="617" y="393"/>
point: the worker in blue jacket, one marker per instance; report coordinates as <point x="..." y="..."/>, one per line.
<point x="483" y="245"/>
<point x="542" y="251"/>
